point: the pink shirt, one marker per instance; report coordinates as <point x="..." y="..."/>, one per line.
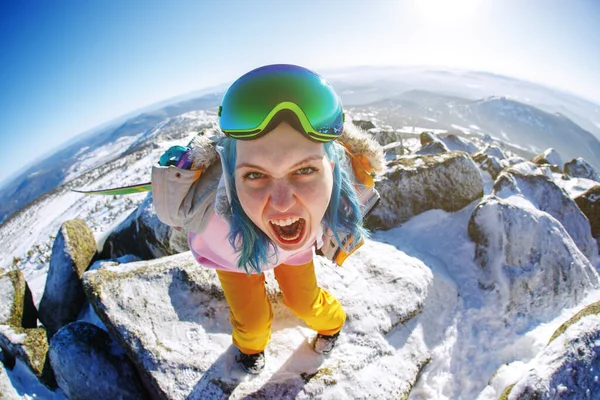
<point x="213" y="250"/>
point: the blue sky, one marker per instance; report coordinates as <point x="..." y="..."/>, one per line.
<point x="68" y="66"/>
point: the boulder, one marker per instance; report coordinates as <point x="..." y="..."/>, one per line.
<point x="550" y="157"/>
<point x="415" y="184"/>
<point x="456" y="143"/>
<point x="489" y="150"/>
<point x="529" y="260"/>
<point x="579" y="168"/>
<point x="88" y="364"/>
<point x="365" y="125"/>
<point x="73" y="250"/>
<point x="491" y="159"/>
<point x="171" y="317"/>
<point x="567" y="367"/>
<point x="16" y="302"/>
<point x="589" y="203"/>
<point x="431" y="144"/>
<point x="31" y="347"/>
<point x="143" y="235"/>
<point x="7" y="390"/>
<point x="534" y="185"/>
<point x="385" y="137"/>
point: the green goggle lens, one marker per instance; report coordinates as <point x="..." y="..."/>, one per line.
<point x="254" y="99"/>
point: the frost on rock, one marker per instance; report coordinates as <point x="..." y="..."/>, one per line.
<point x="456" y="143"/>
<point x="72" y="252"/>
<point x="431" y="144"/>
<point x="16" y="301"/>
<point x="415" y="184"/>
<point x="551" y="157"/>
<point x="567" y="368"/>
<point x="31" y="347"/>
<point x="171" y="317"/>
<point x="7" y="390"/>
<point x="579" y="168"/>
<point x="589" y="204"/>
<point x="88" y="364"/>
<point x="529" y="260"/>
<point x="142" y="234"/>
<point x="545" y="195"/>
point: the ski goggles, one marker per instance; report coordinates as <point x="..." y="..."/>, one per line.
<point x="253" y="100"/>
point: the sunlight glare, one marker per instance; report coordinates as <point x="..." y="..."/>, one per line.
<point x="440" y="11"/>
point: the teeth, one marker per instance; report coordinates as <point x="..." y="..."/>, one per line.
<point x="284" y="222"/>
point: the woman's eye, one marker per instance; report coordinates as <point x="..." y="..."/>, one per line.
<point x="306" y="171"/>
<point x="253" y="175"/>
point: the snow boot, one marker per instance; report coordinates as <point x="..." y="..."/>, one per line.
<point x="251" y="363"/>
<point x="324" y="344"/>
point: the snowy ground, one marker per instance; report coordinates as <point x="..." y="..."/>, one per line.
<point x="475" y="343"/>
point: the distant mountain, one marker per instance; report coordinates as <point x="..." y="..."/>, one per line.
<point x="411" y="96"/>
<point x="511" y="121"/>
<point x="363" y="85"/>
<point x="58" y="167"/>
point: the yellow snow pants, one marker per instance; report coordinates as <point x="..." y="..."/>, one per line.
<point x="251" y="313"/>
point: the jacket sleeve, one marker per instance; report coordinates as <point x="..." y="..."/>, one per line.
<point x="185" y="198"/>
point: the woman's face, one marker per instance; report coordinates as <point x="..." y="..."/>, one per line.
<point x="284" y="184"/>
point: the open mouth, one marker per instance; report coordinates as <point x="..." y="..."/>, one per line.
<point x="288" y="231"/>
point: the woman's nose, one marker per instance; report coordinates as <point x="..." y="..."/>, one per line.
<point x="282" y="196"/>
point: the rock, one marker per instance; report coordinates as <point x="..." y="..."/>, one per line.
<point x="415" y="184"/>
<point x="532" y="184"/>
<point x="567" y="367"/>
<point x="386" y="137"/>
<point x="551" y="157"/>
<point x="589" y="203"/>
<point x="88" y="364"/>
<point x="171" y="317"/>
<point x="394" y="149"/>
<point x="431" y="144"/>
<point x="363" y="124"/>
<point x="491" y="159"/>
<point x="456" y="143"/>
<point x="73" y="250"/>
<point x="16" y="302"/>
<point x="31" y="347"/>
<point x="579" y="168"/>
<point x="7" y="391"/>
<point x="529" y="259"/>
<point x="143" y="235"/>
<point x="489" y="151"/>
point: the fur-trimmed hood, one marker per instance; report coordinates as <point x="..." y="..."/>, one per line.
<point x="203" y="152"/>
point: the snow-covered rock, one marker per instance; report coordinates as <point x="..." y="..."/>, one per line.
<point x="143" y="235"/>
<point x="73" y="250"/>
<point x="431" y="144"/>
<point x="529" y="260"/>
<point x="579" y="168"/>
<point x="7" y="390"/>
<point x="589" y="204"/>
<point x="414" y="184"/>
<point x="16" y="302"/>
<point x="31" y="347"/>
<point x="535" y="187"/>
<point x="385" y="137"/>
<point x="88" y="364"/>
<point x="551" y="157"/>
<point x="457" y="143"/>
<point x="172" y="318"/>
<point x="567" y="368"/>
<point x="363" y="124"/>
<point x="491" y="159"/>
<point x="490" y="150"/>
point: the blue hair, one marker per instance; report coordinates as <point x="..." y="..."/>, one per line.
<point x="343" y="214"/>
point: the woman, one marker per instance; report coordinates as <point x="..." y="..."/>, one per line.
<point x="284" y="187"/>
